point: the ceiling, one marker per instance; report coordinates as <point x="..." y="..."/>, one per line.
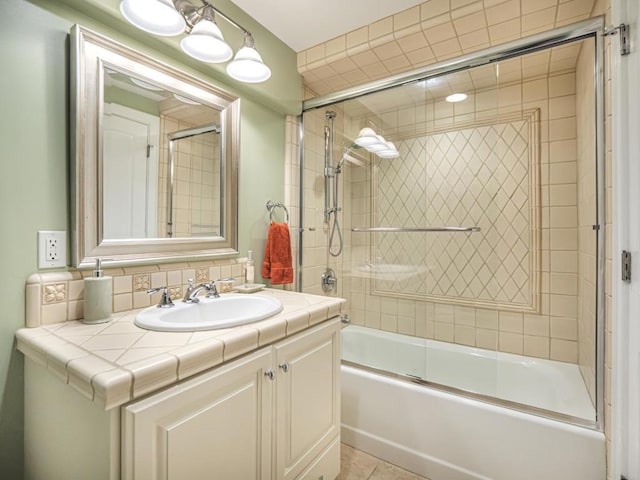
<point x="305" y="23"/>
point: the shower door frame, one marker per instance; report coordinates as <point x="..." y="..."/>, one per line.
<point x="591" y="28"/>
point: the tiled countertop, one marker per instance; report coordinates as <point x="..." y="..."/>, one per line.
<point x="115" y="362"/>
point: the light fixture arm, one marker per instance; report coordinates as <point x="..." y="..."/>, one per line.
<point x="193" y="14"/>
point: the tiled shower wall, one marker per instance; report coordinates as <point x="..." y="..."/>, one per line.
<point x="483" y="176"/>
<point x="549" y="333"/>
<point x="196" y="196"/>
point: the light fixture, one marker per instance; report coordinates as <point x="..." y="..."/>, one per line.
<point x="204" y="41"/>
<point x="389" y="152"/>
<point x="153" y="16"/>
<point x="145" y="85"/>
<point x="379" y="146"/>
<point x="366" y="137"/>
<point x="376" y="144"/>
<point x="247" y="66"/>
<point x="456" y="97"/>
<point x="185" y="99"/>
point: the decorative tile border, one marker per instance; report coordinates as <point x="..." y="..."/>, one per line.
<point x="141" y="282"/>
<point x="54" y="292"/>
<point x="202" y="275"/>
<point x="175" y="293"/>
<point x="59" y="296"/>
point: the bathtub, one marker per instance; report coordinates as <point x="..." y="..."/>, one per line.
<point x="446" y="436"/>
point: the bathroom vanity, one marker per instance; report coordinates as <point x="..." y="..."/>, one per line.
<point x="260" y="401"/>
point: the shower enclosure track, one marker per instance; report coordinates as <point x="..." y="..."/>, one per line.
<point x="416" y="229"/>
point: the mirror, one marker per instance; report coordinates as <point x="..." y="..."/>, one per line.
<point x="155" y="159"/>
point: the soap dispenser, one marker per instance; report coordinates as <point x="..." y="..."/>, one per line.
<point x="249" y="269"/>
<point x="97" y="296"/>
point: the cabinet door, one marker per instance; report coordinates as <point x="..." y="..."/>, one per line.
<point x="307" y="397"/>
<point x="217" y="425"/>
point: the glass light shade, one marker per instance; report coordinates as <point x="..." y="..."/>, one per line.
<point x="146" y="85"/>
<point x="366" y="137"/>
<point x="185" y="99"/>
<point x="154" y="16"/>
<point x="247" y="66"/>
<point x="390" y="152"/>
<point x="379" y="146"/>
<point x="205" y="43"/>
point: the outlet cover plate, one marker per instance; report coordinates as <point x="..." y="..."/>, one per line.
<point x="52" y="249"/>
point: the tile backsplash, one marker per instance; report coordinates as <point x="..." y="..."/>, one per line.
<point x="54" y="297"/>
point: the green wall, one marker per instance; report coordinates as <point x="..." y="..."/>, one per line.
<point x="34" y="153"/>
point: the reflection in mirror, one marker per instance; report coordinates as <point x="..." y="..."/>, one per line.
<point x="161" y="162"/>
<point x="193" y="179"/>
<point x="155" y="159"/>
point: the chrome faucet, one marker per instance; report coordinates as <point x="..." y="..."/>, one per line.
<point x="191" y="295"/>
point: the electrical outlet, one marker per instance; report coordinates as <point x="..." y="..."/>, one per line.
<point x="52" y="249"/>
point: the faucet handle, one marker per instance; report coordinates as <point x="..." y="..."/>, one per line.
<point x="165" y="299"/>
<point x="212" y="291"/>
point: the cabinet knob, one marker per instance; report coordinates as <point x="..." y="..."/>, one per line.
<point x="270" y="374"/>
<point x="284" y="367"/>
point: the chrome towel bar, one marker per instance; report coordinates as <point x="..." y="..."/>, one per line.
<point x="417" y="229"/>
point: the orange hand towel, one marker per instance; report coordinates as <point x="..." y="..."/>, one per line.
<point x="277" y="263"/>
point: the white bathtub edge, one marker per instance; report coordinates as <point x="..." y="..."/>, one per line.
<point x="449" y="437"/>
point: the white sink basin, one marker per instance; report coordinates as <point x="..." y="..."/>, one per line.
<point x="230" y="310"/>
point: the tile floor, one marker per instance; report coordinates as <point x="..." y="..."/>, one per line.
<point x="357" y="465"/>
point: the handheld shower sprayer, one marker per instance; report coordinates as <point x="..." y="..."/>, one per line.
<point x="367" y="139"/>
<point x="331" y="173"/>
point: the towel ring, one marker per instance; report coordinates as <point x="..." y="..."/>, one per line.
<point x="272" y="206"/>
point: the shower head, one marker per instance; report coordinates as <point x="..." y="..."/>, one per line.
<point x="345" y="155"/>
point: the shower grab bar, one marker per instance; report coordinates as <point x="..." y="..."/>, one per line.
<point x="417" y="229"/>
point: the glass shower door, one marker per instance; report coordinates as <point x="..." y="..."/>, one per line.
<point x="486" y="310"/>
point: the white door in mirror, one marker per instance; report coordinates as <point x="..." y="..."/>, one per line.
<point x="230" y="310"/>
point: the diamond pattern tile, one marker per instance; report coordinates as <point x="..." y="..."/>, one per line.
<point x="478" y="176"/>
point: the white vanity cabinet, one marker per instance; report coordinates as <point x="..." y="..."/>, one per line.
<point x="272" y="414"/>
<point x="308" y="404"/>
<point x="217" y="425"/>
